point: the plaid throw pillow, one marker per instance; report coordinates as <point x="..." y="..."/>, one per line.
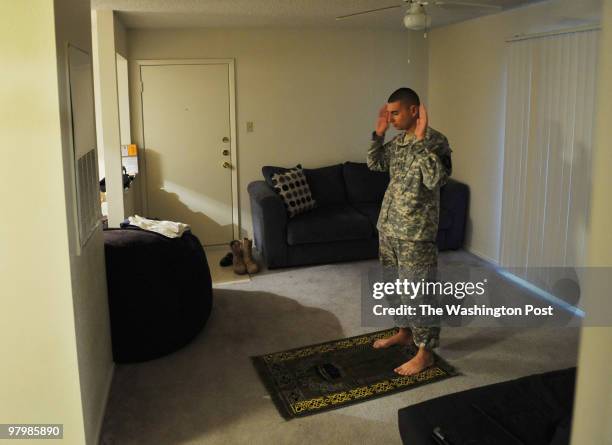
<point x="294" y="191"/>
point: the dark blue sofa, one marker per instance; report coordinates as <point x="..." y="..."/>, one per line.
<point x="532" y="410"/>
<point x="343" y="226"/>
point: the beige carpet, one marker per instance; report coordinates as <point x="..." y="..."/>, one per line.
<point x="209" y="393"/>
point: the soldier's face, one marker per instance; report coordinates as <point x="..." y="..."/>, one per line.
<point x="402" y="117"/>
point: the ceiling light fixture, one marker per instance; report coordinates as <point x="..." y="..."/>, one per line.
<point x="416" y="18"/>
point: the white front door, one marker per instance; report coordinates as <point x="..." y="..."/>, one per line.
<point x="186" y="117"/>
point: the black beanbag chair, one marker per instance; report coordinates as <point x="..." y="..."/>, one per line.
<point x="159" y="292"/>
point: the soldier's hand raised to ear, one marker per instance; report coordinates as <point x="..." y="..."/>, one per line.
<point x="421" y="124"/>
<point x="382" y="123"/>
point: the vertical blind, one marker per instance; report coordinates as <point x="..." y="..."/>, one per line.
<point x="547" y="152"/>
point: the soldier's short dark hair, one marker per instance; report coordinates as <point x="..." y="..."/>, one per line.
<point x="406" y="96"/>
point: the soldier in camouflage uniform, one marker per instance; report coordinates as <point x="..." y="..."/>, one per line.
<point x="419" y="162"/>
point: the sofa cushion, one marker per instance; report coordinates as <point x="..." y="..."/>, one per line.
<point x="268" y="171"/>
<point x="294" y="191"/>
<point x="369" y="209"/>
<point x="326" y="183"/>
<point x="328" y="224"/>
<point x="363" y="184"/>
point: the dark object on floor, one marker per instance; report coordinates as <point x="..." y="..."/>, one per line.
<point x="159" y="292"/>
<point x="343" y="226"/>
<point x="531" y="410"/>
<point x="330" y="375"/>
<point x="226" y="260"/>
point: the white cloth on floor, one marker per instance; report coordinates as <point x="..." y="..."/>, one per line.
<point x="169" y="229"/>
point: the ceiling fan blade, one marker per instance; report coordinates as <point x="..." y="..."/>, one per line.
<point x="452" y="3"/>
<point x="341" y="17"/>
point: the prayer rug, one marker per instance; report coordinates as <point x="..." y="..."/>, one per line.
<point x="337" y="373"/>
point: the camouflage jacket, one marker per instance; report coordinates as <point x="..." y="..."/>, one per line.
<point x="417" y="169"/>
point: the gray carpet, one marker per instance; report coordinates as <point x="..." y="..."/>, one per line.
<point x="209" y="393"/>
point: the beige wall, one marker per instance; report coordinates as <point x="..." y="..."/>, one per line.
<point x="107" y="111"/>
<point x="313" y="95"/>
<point x="120" y="37"/>
<point x="111" y="39"/>
<point x="593" y="408"/>
<point x="73" y="25"/>
<point x="131" y="197"/>
<point x="57" y="364"/>
<point x="39" y="375"/>
<point x="467" y="101"/>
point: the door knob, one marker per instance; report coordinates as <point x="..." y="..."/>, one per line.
<point x="227" y="165"/>
<point x="226" y="139"/>
<point x="225" y="152"/>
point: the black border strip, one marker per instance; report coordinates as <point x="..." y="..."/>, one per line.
<point x="264" y="375"/>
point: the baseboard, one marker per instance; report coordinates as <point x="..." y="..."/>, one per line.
<point x="481" y="255"/>
<point x="109" y="382"/>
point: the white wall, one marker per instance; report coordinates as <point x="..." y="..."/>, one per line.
<point x="467" y="71"/>
<point x="593" y="406"/>
<point x="92" y="324"/>
<point x="120" y="37"/>
<point x="313" y="95"/>
<point x="55" y="340"/>
<point x="107" y="111"/>
<point x="132" y="196"/>
<point x="123" y="94"/>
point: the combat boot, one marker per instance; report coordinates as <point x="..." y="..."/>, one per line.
<point x="247" y="248"/>
<point x="238" y="260"/>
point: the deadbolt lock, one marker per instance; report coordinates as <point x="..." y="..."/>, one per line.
<point x="226" y="139"/>
<point x="225" y="152"/>
<point x="227" y="165"/>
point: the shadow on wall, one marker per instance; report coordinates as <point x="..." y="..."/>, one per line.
<point x="580" y="163"/>
<point x="211" y="383"/>
<point x="163" y="204"/>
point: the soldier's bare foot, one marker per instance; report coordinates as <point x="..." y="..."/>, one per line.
<point x="403" y="337"/>
<point x="421" y="361"/>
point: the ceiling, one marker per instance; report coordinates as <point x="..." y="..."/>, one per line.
<point x="283" y="13"/>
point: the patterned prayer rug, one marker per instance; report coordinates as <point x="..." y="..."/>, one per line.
<point x="317" y="378"/>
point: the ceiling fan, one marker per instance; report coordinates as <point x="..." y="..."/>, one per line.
<point x="416" y="17"/>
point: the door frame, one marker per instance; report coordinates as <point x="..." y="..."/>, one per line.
<point x="231" y="81"/>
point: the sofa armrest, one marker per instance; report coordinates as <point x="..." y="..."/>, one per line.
<point x="454" y="197"/>
<point x="269" y="223"/>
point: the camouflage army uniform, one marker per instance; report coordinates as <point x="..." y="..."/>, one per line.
<point x="408" y="219"/>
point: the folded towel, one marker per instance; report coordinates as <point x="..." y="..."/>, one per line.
<point x="169" y="229"/>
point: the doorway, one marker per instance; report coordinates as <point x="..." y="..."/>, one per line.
<point x="190" y="145"/>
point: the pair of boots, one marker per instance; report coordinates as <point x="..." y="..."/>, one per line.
<point x="242" y="259"/>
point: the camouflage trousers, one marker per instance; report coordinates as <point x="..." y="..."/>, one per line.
<point x="412" y="261"/>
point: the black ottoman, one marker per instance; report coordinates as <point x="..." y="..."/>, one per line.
<point x="159" y="292"/>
